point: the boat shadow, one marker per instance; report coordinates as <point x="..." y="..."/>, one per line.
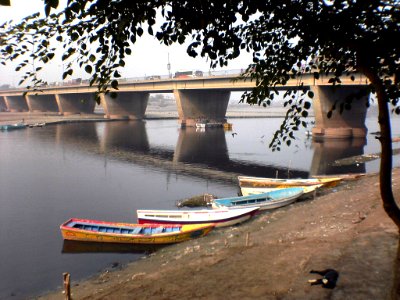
<point x="94" y="247"/>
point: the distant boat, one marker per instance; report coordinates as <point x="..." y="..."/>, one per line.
<point x="220" y="217"/>
<point x="111" y="232"/>
<point x="206" y="124"/>
<point x="269" y="200"/>
<point x="36" y="125"/>
<point x="307" y="190"/>
<point x="275" y="182"/>
<point x="8" y="127"/>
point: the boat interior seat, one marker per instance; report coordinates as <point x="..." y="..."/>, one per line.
<point x="158" y="230"/>
<point x="136" y="230"/>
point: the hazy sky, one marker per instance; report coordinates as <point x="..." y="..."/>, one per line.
<point x="149" y="56"/>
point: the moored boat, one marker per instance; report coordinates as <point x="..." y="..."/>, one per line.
<point x="8" y="127"/>
<point x="269" y="200"/>
<point x="350" y="176"/>
<point x="282" y="183"/>
<point x="307" y="190"/>
<point x="220" y="217"/>
<point x="111" y="232"/>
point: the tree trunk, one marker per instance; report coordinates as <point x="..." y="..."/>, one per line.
<point x="385" y="173"/>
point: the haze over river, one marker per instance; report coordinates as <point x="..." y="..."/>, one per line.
<point x="107" y="170"/>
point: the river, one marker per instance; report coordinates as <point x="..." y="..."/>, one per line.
<point x="107" y="170"/>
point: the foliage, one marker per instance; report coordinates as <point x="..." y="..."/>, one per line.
<point x="5" y="2"/>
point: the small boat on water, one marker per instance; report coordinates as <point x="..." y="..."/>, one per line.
<point x="220" y="217"/>
<point x="269" y="200"/>
<point x="307" y="190"/>
<point x="111" y="232"/>
<point x="282" y="183"/>
<point x="36" y="125"/>
<point x="8" y="127"/>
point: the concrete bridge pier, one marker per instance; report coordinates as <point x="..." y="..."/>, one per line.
<point x="349" y="123"/>
<point x="3" y="104"/>
<point x="70" y="104"/>
<point x="42" y="103"/>
<point x="127" y="105"/>
<point x="16" y="103"/>
<point x="195" y="105"/>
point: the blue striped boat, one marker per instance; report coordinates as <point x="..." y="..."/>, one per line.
<point x="264" y="201"/>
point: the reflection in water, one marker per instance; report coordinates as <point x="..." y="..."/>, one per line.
<point x="327" y="151"/>
<point x="205" y="147"/>
<point x="94" y="247"/>
<point x="129" y="135"/>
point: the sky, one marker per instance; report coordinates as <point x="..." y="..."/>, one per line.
<point x="148" y="58"/>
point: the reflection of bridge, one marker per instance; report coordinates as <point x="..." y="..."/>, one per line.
<point x="196" y="98"/>
<point x="203" y="154"/>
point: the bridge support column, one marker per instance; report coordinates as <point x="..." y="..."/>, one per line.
<point x="195" y="105"/>
<point x="3" y="104"/>
<point x="16" y="103"/>
<point x="70" y="104"/>
<point x="42" y="103"/>
<point x="127" y="105"/>
<point x="349" y="123"/>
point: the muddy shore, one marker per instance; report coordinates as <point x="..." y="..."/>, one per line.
<point x="344" y="228"/>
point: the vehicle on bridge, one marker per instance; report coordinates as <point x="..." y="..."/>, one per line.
<point x="188" y="74"/>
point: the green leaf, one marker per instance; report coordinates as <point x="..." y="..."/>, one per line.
<point x="88" y="69"/>
<point x="114" y="84"/>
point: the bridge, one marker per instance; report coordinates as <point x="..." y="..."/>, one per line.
<point x="197" y="98"/>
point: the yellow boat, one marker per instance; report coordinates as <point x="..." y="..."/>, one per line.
<point x="110" y="232"/>
<point x="248" y="181"/>
<point x="307" y="190"/>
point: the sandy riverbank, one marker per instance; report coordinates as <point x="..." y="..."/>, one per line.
<point x="345" y="229"/>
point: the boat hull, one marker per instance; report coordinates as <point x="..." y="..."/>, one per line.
<point x="8" y="127"/>
<point x="220" y="217"/>
<point x="264" y="201"/>
<point x="248" y="181"/>
<point x="90" y="231"/>
<point x="307" y="190"/>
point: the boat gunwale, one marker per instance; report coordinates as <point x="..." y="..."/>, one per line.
<point x="164" y="220"/>
<point x="64" y="227"/>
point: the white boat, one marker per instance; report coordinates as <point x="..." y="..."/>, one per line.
<point x="221" y="217"/>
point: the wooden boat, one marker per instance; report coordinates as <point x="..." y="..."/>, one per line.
<point x="110" y="232"/>
<point x="220" y="217"/>
<point x="282" y="183"/>
<point x="350" y="176"/>
<point x="307" y="190"/>
<point x="270" y="200"/>
<point x="8" y="127"/>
